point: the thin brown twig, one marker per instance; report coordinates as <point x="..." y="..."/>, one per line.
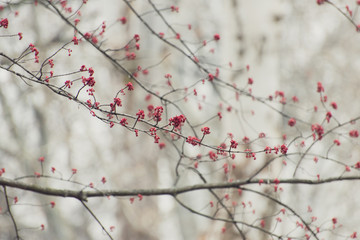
<point x="10" y="213"/>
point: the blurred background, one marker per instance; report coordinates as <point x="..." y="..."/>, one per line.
<point x="288" y="46"/>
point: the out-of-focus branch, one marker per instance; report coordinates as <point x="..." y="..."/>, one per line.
<point x="10" y="213"/>
<point x="96" y="219"/>
<point x="83" y="195"/>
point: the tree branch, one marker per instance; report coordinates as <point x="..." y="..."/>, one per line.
<point x="83" y="195"/>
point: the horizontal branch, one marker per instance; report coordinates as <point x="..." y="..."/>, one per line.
<point x="83" y="195"/>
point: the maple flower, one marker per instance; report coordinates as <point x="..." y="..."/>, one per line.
<point x="103" y="180"/>
<point x="140" y="114"/>
<point x="123" y="20"/>
<point x="276" y="181"/>
<point x="213" y="156"/>
<point x="124" y="122"/>
<point x="4" y="23"/>
<point x="354" y="133"/>
<point x="211" y="77"/>
<point x="68" y="84"/>
<point x="317" y="128"/>
<point x="205" y="130"/>
<point x="337" y="142"/>
<point x="357" y="165"/>
<point x="292" y="122"/>
<point x="117" y="102"/>
<point x="233" y="143"/>
<point x="262" y="223"/>
<point x="267" y="149"/>
<point x="137" y="37"/>
<point x="177" y="121"/>
<point x="333" y="105"/>
<point x="249" y="154"/>
<point x="162" y="145"/>
<point x="262" y="135"/>
<point x="193" y="140"/>
<point x="320" y="87"/>
<point x="174" y="9"/>
<point x="130" y="86"/>
<point x="87" y="35"/>
<point x="157" y="113"/>
<point x="283" y="149"/>
<point x="328" y="116"/>
<point x="246" y="139"/>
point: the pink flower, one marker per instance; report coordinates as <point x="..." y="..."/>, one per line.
<point x="233" y="143"/>
<point x="354" y="133"/>
<point x="262" y="223"/>
<point x="4" y="23"/>
<point x="292" y="122"/>
<point x="124" y="122"/>
<point x="317" y="128"/>
<point x="283" y="149"/>
<point x="162" y="145"/>
<point x="320" y="87"/>
<point x="177" y="121"/>
<point x="123" y="20"/>
<point x="140" y="197"/>
<point x="103" y="180"/>
<point x="276" y="181"/>
<point x="140" y="114"/>
<point x="174" y="9"/>
<point x="193" y="140"/>
<point x="328" y="116"/>
<point x="205" y="130"/>
<point x="211" y="77"/>
<point x="117" y="102"/>
<point x="333" y="105"/>
<point x="267" y="149"/>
